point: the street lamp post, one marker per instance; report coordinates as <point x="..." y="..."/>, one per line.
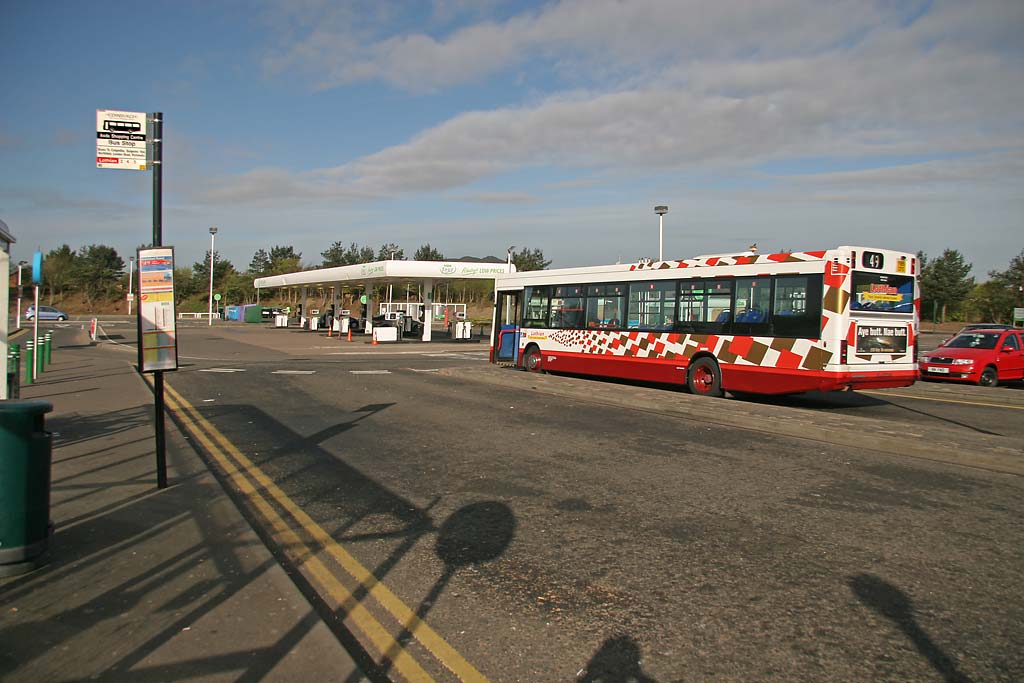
<point x="131" y="275"/>
<point x="18" y="312"/>
<point x="661" y="211"/>
<point x="213" y="233"/>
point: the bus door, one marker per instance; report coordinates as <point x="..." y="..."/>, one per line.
<point x="507" y="314"/>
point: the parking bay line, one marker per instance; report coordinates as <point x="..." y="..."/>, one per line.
<point x="883" y="394"/>
<point x="227" y="455"/>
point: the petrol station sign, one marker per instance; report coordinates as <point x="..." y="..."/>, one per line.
<point x="121" y="139"/>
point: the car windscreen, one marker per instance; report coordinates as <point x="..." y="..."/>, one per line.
<point x="974" y="340"/>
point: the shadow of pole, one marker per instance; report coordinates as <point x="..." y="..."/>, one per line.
<point x="893" y="604"/>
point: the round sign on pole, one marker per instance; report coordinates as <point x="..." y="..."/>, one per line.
<point x="216" y="297"/>
<point x="362" y="299"/>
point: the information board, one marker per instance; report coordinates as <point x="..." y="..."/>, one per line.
<point x="158" y="342"/>
<point x="121" y="139"/>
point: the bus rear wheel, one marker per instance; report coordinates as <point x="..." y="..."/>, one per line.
<point x="532" y="360"/>
<point x="704" y="378"/>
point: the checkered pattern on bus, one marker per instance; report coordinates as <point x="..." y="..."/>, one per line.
<point x="761" y="351"/>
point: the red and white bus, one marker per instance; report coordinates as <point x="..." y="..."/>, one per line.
<point x="843" y="318"/>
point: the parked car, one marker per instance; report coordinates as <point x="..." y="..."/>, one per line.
<point x="984" y="356"/>
<point x="45" y="313"/>
<point x="979" y="326"/>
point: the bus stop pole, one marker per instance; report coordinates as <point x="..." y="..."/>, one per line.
<point x="158" y="376"/>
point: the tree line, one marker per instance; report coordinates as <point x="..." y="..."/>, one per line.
<point x="98" y="273"/>
<point x="948" y="291"/>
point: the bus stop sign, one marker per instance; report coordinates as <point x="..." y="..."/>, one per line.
<point x="121" y="139"/>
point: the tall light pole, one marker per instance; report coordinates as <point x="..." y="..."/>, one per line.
<point x="213" y="233"/>
<point x="18" y="319"/>
<point x="131" y="275"/>
<point x="661" y="211"/>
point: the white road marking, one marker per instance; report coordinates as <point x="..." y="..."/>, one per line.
<point x="222" y="370"/>
<point x="369" y="372"/>
<point x="293" y="372"/>
<point x="384" y="353"/>
<point x="424" y="370"/>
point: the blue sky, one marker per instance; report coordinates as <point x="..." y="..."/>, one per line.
<point x="474" y="125"/>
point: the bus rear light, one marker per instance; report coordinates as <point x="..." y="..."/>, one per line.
<point x="913" y="266"/>
<point x="843" y="348"/>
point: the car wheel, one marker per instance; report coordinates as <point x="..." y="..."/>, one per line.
<point x="62" y="318"/>
<point x="989" y="377"/>
<point x="705" y="378"/>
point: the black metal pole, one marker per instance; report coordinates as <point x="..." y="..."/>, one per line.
<point x="158" y="378"/>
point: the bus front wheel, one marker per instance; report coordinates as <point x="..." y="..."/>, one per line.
<point x="532" y="360"/>
<point x="704" y="377"/>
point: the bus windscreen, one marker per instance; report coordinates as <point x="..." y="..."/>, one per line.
<point x="882" y="293"/>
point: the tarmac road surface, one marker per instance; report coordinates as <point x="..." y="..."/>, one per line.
<point x="556" y="528"/>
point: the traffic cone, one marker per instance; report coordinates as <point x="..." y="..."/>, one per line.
<point x="374" y="338"/>
<point x="350" y="333"/>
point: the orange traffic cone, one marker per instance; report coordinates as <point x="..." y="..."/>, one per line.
<point x="350" y="333"/>
<point x="374" y="338"/>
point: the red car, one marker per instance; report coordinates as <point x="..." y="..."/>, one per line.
<point x="985" y="357"/>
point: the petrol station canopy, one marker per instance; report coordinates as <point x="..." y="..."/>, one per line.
<point x="367" y="276"/>
<point x="393" y="272"/>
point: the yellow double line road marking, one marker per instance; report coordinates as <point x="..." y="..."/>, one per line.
<point x="240" y="470"/>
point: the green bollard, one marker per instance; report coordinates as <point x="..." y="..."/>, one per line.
<point x="29" y="361"/>
<point x="49" y="345"/>
<point x="13" y="372"/>
<point x="40" y="355"/>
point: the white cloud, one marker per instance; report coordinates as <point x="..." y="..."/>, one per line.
<point x="701" y="87"/>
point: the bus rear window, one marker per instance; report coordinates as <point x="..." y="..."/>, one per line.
<point x="882" y="293"/>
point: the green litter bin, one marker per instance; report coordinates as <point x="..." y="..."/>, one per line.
<point x="25" y="456"/>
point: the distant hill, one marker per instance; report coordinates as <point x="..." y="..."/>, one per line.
<point x="476" y="259"/>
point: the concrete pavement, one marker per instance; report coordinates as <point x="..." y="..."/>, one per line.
<point x="146" y="584"/>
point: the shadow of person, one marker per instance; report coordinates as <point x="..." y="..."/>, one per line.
<point x="472" y="535"/>
<point x="893" y="604"/>
<point x="616" y="661"/>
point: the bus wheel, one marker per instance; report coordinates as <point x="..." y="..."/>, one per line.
<point x="704" y="377"/>
<point x="532" y="360"/>
<point x="989" y="377"/>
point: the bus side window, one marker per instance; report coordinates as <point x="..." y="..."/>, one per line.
<point x="535" y="312"/>
<point x="752" y="305"/>
<point x="796" y="306"/>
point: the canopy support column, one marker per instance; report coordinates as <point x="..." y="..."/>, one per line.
<point x="368" y="309"/>
<point x="428" y="308"/>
